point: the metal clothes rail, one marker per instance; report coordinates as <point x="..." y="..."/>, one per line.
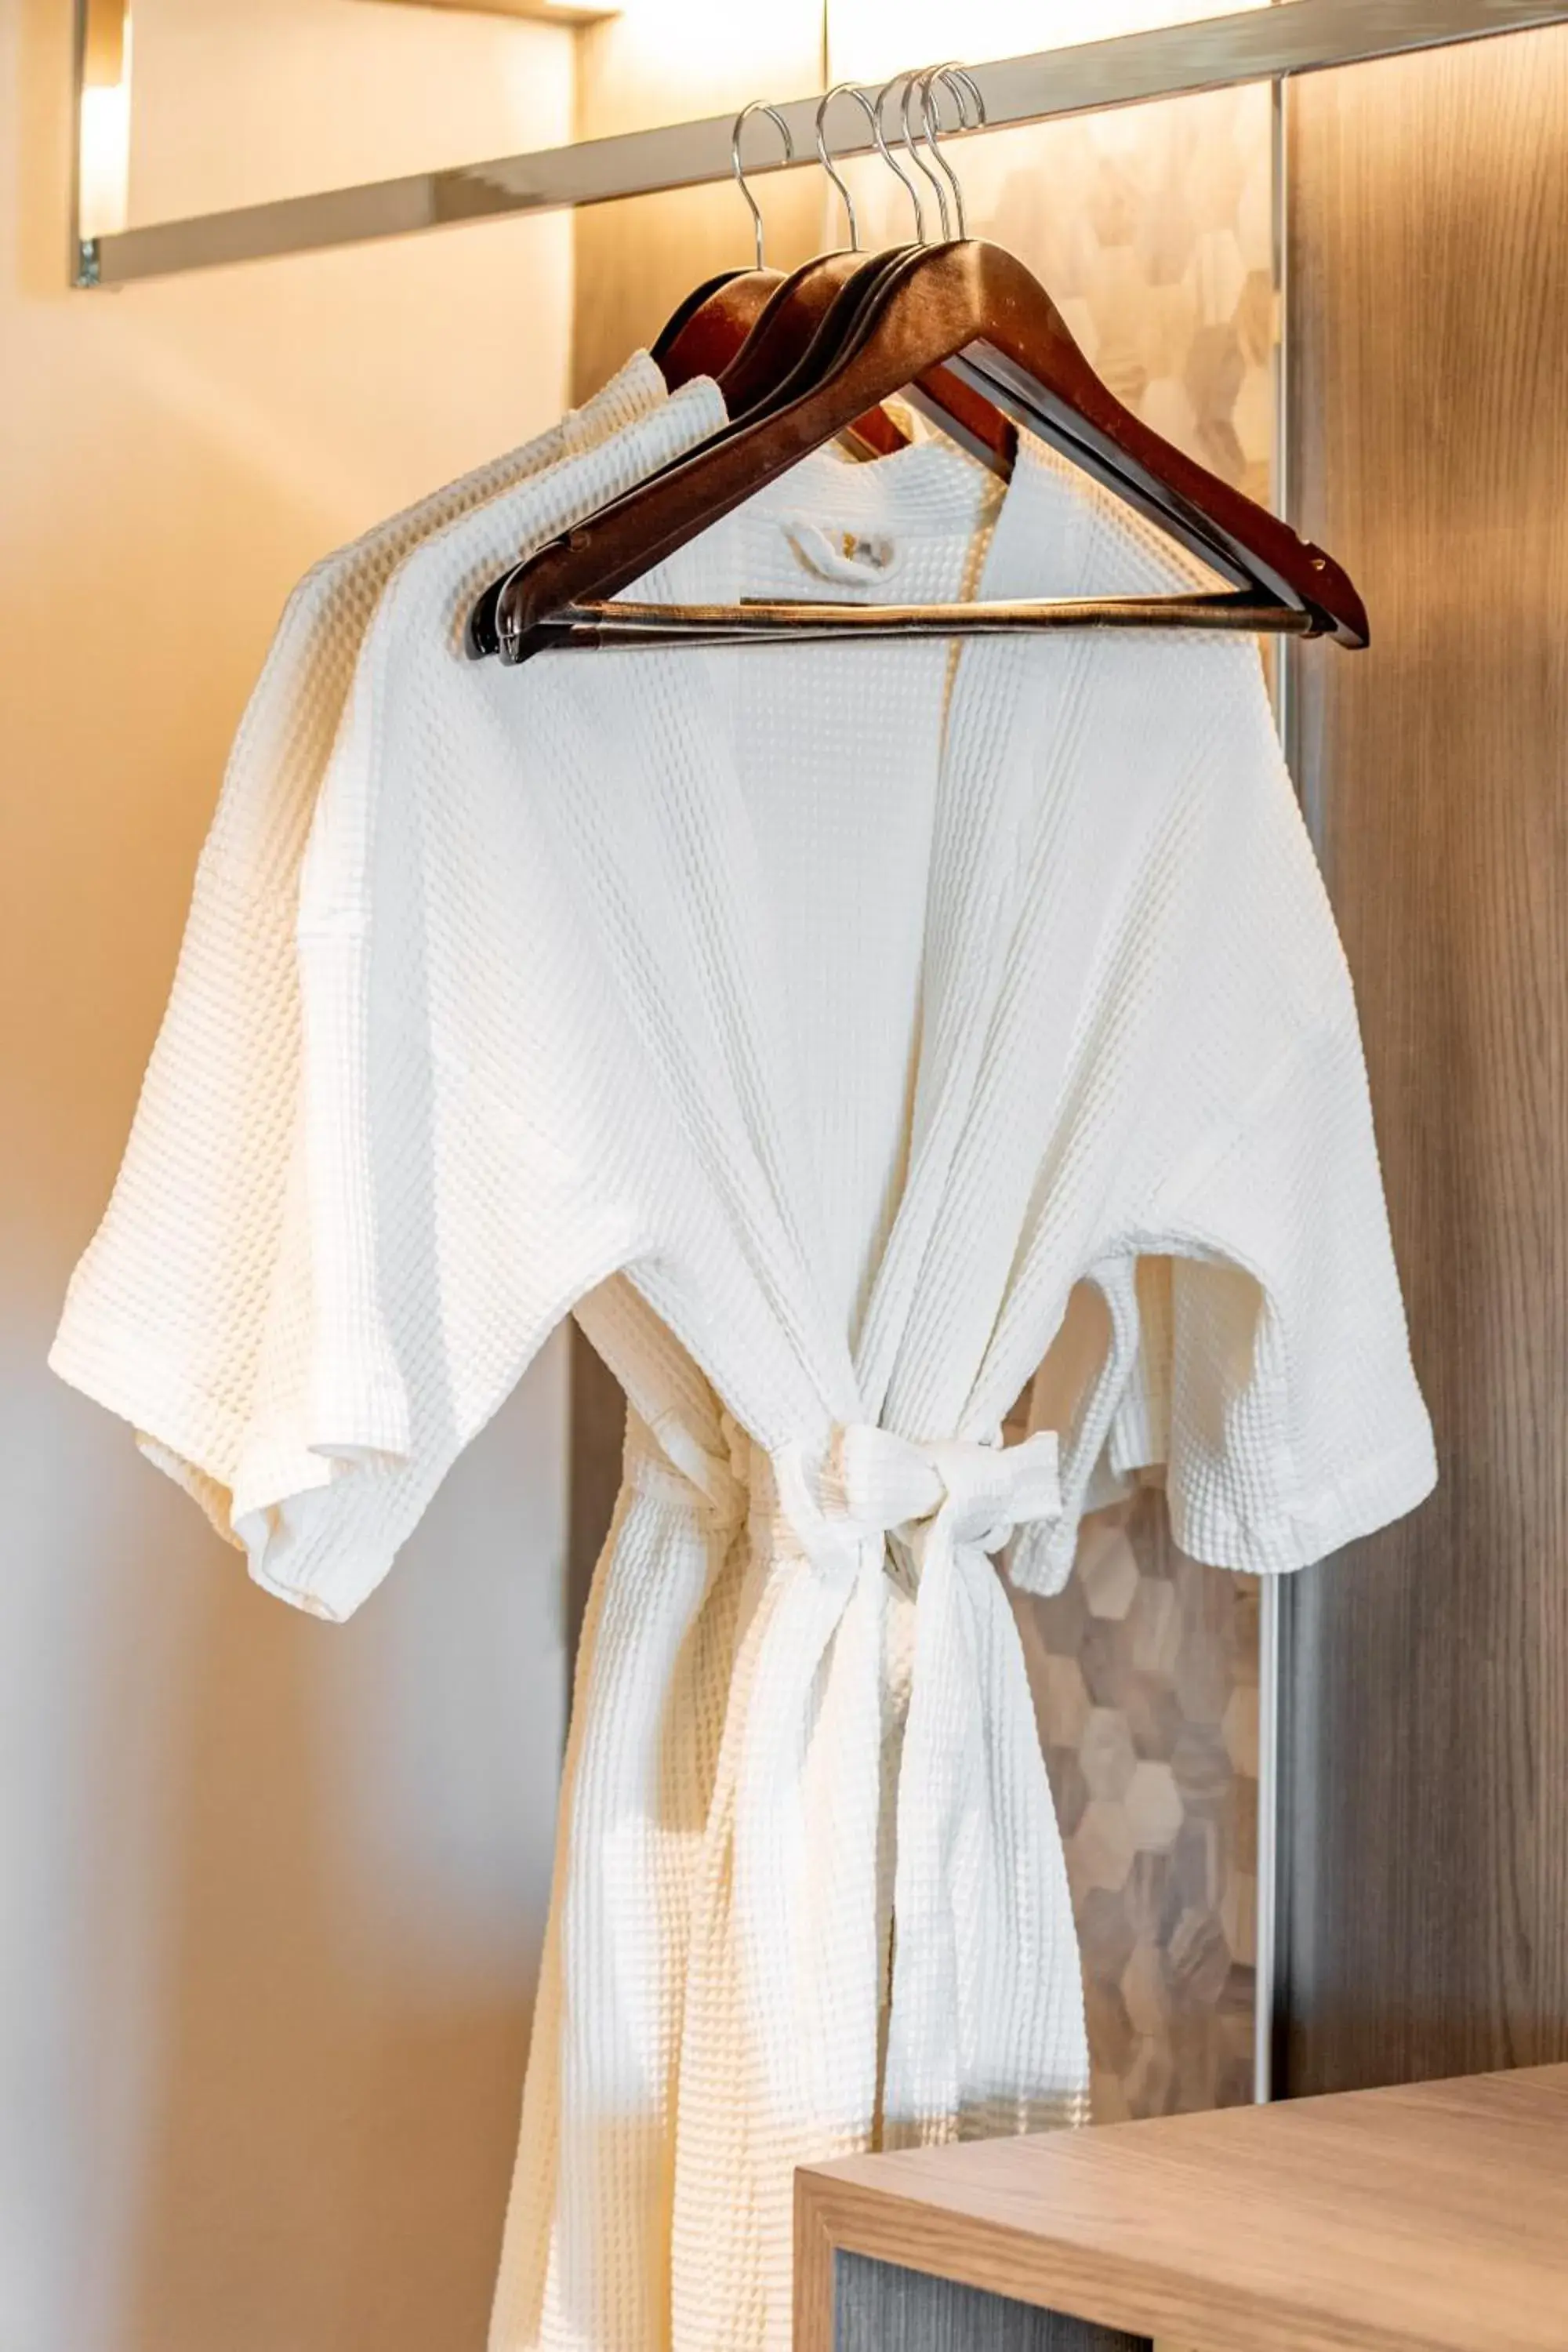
<point x="1292" y="37"/>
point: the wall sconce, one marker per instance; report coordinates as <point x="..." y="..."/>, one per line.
<point x="102" y="190"/>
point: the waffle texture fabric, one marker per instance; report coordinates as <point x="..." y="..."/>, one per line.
<point x="169" y="1307"/>
<point x="849" y="1035"/>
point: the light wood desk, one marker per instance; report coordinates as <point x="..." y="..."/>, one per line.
<point x="1430" y="2218"/>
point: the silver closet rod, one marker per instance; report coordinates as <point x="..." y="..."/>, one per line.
<point x="1292" y="36"/>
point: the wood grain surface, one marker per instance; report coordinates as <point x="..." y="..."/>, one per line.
<point x="1425" y="1861"/>
<point x="1431" y="2217"/>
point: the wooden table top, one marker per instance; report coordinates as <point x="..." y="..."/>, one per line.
<point x="1426" y="2217"/>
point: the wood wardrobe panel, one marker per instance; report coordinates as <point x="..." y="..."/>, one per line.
<point x="1424" y="1764"/>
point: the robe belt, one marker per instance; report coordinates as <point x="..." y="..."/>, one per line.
<point x="865" y="1485"/>
<point x="981" y="2028"/>
<point x="871" y="1484"/>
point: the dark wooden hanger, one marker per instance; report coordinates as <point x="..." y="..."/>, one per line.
<point x="829" y="297"/>
<point x="785" y="334"/>
<point x="965" y="297"/>
<point x="704" y="335"/>
<point x="659" y="349"/>
<point x="766" y="338"/>
<point x="800" y="341"/>
<point x="701" y="336"/>
<point x="786" y="350"/>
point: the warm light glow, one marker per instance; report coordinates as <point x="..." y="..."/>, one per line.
<point x="564" y="12"/>
<point x="103" y="166"/>
<point x="868" y="40"/>
<point x="710" y="30"/>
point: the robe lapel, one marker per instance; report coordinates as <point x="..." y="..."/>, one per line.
<point x="926" y="1325"/>
<point x="985" y="2031"/>
<point x="666" y="847"/>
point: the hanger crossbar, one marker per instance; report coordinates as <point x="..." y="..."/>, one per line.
<point x="757" y="621"/>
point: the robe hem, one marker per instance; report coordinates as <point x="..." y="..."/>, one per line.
<point x="173" y="1425"/>
<point x="1381" y="1491"/>
<point x="1372" y="1497"/>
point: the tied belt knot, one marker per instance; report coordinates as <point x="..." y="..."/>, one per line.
<point x="869" y="1485"/>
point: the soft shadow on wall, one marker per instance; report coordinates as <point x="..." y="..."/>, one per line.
<point x="274" y="1890"/>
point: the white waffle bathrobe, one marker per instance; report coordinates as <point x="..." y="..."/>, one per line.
<point x="842" y="1033"/>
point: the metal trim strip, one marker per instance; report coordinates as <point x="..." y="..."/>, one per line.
<point x="1293" y="37"/>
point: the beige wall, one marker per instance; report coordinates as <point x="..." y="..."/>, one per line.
<point x="272" y="1891"/>
<point x="671" y="61"/>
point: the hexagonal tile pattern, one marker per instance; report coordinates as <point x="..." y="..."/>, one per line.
<point x="1068" y="1786"/>
<point x="1152" y="229"/>
<point x="1153" y="1807"/>
<point x="1110" y="1766"/>
<point x="1108" y="1572"/>
<point x="1149" y="1724"/>
<point x="1067" y="1703"/>
<point x="1100" y="1850"/>
<point x="1155" y="1627"/>
<point x="1146" y="1990"/>
<point x="1239" y="1726"/>
<point x="1153" y="1761"/>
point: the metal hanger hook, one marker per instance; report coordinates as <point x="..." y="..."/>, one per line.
<point x="918" y="86"/>
<point x="757" y="106"/>
<point x="953" y="73"/>
<point x="842" y="89"/>
<point x="886" y="153"/>
<point x="962" y="84"/>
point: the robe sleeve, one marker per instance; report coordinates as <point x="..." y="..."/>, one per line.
<point x="164" y="1318"/>
<point x="460" y="1183"/>
<point x="1258" y="1352"/>
<point x="476" y="1121"/>
<point x="1272" y="1374"/>
<point x="339" y="1233"/>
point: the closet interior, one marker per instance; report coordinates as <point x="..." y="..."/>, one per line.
<point x="1261" y="321"/>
